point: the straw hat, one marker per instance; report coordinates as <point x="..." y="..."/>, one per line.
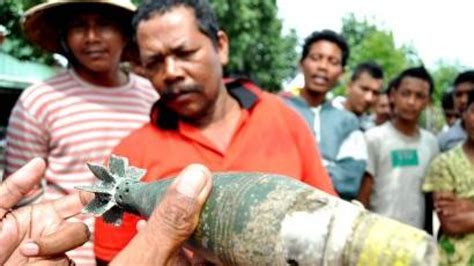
<point x="40" y="23"/>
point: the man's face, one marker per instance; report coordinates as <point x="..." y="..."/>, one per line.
<point x="181" y="62"/>
<point x="382" y="108"/>
<point x="460" y="95"/>
<point x="468" y="117"/>
<point x="410" y="98"/>
<point x="362" y="93"/>
<point x="322" y="67"/>
<point x="96" y="41"/>
<point x="451" y="116"/>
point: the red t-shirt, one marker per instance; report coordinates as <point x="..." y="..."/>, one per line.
<point x="270" y="137"/>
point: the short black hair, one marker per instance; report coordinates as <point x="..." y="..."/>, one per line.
<point x="466" y="76"/>
<point x="391" y="84"/>
<point x="415" y="72"/>
<point x="205" y="16"/>
<point x="447" y="100"/>
<point x="369" y="67"/>
<point x="326" y="35"/>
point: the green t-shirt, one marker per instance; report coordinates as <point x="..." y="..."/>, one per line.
<point x="452" y="172"/>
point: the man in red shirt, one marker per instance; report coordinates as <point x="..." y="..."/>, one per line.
<point x="200" y="118"/>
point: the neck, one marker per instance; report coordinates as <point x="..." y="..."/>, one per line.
<point x="348" y="107"/>
<point x="313" y="98"/>
<point x="468" y="147"/>
<point x="112" y="78"/>
<point x="223" y="106"/>
<point x="408" y="128"/>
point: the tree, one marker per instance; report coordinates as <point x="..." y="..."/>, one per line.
<point x="16" y="44"/>
<point x="368" y="42"/>
<point x="258" y="47"/>
<point x="259" y="50"/>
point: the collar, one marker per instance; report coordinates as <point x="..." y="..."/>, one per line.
<point x="243" y="90"/>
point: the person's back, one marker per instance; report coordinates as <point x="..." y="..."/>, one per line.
<point x="79" y="115"/>
<point x="400" y="153"/>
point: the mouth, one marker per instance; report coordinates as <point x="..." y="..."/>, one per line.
<point x="319" y="79"/>
<point x="95" y="53"/>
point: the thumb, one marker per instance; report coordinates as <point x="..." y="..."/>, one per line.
<point x="177" y="215"/>
<point x="172" y="222"/>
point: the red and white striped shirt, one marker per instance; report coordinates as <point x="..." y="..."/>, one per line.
<point x="70" y="122"/>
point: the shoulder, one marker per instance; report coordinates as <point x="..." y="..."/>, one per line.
<point x="430" y="139"/>
<point x="293" y="99"/>
<point x="378" y="132"/>
<point x="49" y="88"/>
<point x="339" y="116"/>
<point x="137" y="140"/>
<point x="142" y="84"/>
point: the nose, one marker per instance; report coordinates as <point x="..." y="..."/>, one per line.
<point x="411" y="100"/>
<point x="172" y="70"/>
<point x="370" y="98"/>
<point x="323" y="64"/>
<point x="92" y="34"/>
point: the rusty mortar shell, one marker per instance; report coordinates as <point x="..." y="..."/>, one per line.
<point x="268" y="219"/>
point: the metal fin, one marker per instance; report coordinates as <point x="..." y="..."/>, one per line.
<point x="113" y="216"/>
<point x="118" y="165"/>
<point x="135" y="173"/>
<point x="101" y="173"/>
<point x="99" y="205"/>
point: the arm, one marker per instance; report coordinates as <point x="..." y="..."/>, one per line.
<point x="366" y="189"/>
<point x="349" y="167"/>
<point x="314" y="173"/>
<point x="456" y="215"/>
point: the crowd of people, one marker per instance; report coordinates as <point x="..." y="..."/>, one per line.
<point x="367" y="146"/>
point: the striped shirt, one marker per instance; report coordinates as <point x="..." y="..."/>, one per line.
<point x="70" y="122"/>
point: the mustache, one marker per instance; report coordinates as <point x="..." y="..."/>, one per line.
<point x="174" y="91"/>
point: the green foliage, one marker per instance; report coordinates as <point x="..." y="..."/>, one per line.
<point x="368" y="42"/>
<point x="443" y="76"/>
<point x="16" y="44"/>
<point x="257" y="47"/>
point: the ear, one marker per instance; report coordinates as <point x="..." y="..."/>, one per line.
<point x="223" y="47"/>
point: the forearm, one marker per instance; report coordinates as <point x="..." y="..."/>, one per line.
<point x="366" y="190"/>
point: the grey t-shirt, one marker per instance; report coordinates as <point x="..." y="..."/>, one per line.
<point x="399" y="164"/>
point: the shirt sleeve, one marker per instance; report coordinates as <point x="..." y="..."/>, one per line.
<point x="27" y="138"/>
<point x="349" y="167"/>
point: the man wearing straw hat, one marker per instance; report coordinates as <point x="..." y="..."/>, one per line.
<point x="79" y="115"/>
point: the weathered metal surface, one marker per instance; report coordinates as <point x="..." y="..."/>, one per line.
<point x="267" y="219"/>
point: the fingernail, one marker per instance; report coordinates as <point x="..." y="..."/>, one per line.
<point x="192" y="180"/>
<point x="30" y="248"/>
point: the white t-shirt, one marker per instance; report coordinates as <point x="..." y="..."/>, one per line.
<point x="399" y="164"/>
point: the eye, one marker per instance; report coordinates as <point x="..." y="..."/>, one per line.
<point x="335" y="61"/>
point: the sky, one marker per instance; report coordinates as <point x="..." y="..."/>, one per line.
<point x="438" y="30"/>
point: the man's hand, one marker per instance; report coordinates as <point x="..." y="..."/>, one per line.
<point x="456" y="215"/>
<point x="37" y="234"/>
<point x="160" y="241"/>
<point x="446" y="204"/>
